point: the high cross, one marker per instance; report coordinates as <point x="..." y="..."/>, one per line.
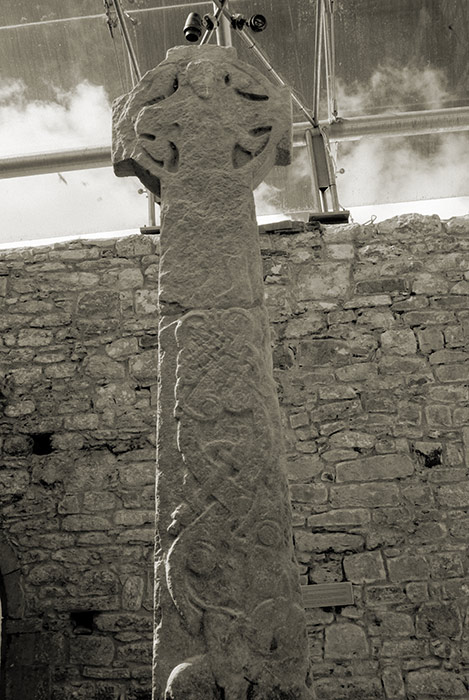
<point x="201" y="131"/>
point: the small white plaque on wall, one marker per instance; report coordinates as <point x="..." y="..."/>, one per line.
<point x="327" y="595"/>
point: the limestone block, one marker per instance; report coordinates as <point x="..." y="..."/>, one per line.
<point x="409" y="567"/>
<point x="134" y="246"/>
<point x="465" y="435"/>
<point x="352" y="438"/>
<point x="137" y="474"/>
<point x="132" y="593"/>
<point x="371" y="495"/>
<point x="403" y="648"/>
<point x="389" y="466"/>
<point x="446" y="565"/>
<point x="399" y="342"/>
<point x="103" y="368"/>
<point x="430" y="339"/>
<point x="392" y="624"/>
<point x="328" y="280"/>
<point x="438" y="620"/>
<point x="335" y="541"/>
<point x="98" y="303"/>
<point x="304" y="469"/>
<point x="322" y="352"/>
<point x="393" y="682"/>
<point x="458" y="225"/>
<point x="365" y="301"/>
<point x="146" y="301"/>
<point x="411" y="225"/>
<point x="60" y="370"/>
<point x="427" y="283"/>
<point x="454" y="495"/>
<point x="13" y="481"/>
<point x="345" y="641"/>
<point x="85" y="522"/>
<point x="444" y="357"/>
<point x="20" y="408"/>
<point x="305" y="324"/>
<point x="96" y="501"/>
<point x="93" y="651"/>
<point x="122" y="348"/>
<point x="308" y="493"/>
<point x="438" y="414"/>
<point x="366" y="567"/>
<point x="435" y="683"/>
<point x="118" y="622"/>
<point x="144" y="367"/>
<point x="34" y="337"/>
<point x="361" y="371"/>
<point x="81" y="421"/>
<point x="134" y="517"/>
<point x="91" y="471"/>
<point x="378" y="596"/>
<point x="129" y="279"/>
<point x="333" y="519"/>
<point x="359" y="687"/>
<point x="417" y="591"/>
<point x="460" y="288"/>
<point x="452" y="373"/>
<point x="136" y="652"/>
<point x="340" y="251"/>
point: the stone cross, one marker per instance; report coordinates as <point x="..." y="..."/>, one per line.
<point x="201" y="130"/>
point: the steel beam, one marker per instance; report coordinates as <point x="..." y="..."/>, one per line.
<point x="55" y="161"/>
<point x="435" y="121"/>
<point x="351" y="129"/>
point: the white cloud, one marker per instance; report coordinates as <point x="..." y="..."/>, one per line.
<point x="375" y="170"/>
<point x="400" y="169"/>
<point x="72" y="202"/>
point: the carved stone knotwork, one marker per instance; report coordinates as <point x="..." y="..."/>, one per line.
<point x="201" y="131"/>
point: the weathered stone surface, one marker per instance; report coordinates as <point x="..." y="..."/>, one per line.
<point x="454" y="495"/>
<point x="391" y="624"/>
<point x="370" y="495"/>
<point x="408" y="568"/>
<point x="390" y="466"/>
<point x="357" y="688"/>
<point x="393" y="682"/>
<point x="328" y="280"/>
<point x="435" y="683"/>
<point x="438" y="620"/>
<point x="93" y="651"/>
<point x="346" y="641"/>
<point x="399" y="342"/>
<point x="335" y="541"/>
<point x="364" y="568"/>
<point x="337" y="519"/>
<point x="202" y="130"/>
<point x="132" y="593"/>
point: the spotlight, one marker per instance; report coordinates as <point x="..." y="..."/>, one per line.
<point x="257" y="23"/>
<point x="193" y="27"/>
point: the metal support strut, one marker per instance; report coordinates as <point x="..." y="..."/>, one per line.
<point x="323" y="182"/>
<point x="136" y="75"/>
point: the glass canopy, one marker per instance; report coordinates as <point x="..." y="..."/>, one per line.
<point x="63" y="62"/>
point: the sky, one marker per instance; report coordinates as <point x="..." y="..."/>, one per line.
<point x="404" y="173"/>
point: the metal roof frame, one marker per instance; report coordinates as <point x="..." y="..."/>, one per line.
<point x="437" y="121"/>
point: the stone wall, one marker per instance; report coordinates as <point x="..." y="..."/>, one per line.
<point x="371" y="351"/>
<point x="78" y="331"/>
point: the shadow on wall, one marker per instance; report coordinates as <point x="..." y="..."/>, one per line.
<point x="11" y="609"/>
